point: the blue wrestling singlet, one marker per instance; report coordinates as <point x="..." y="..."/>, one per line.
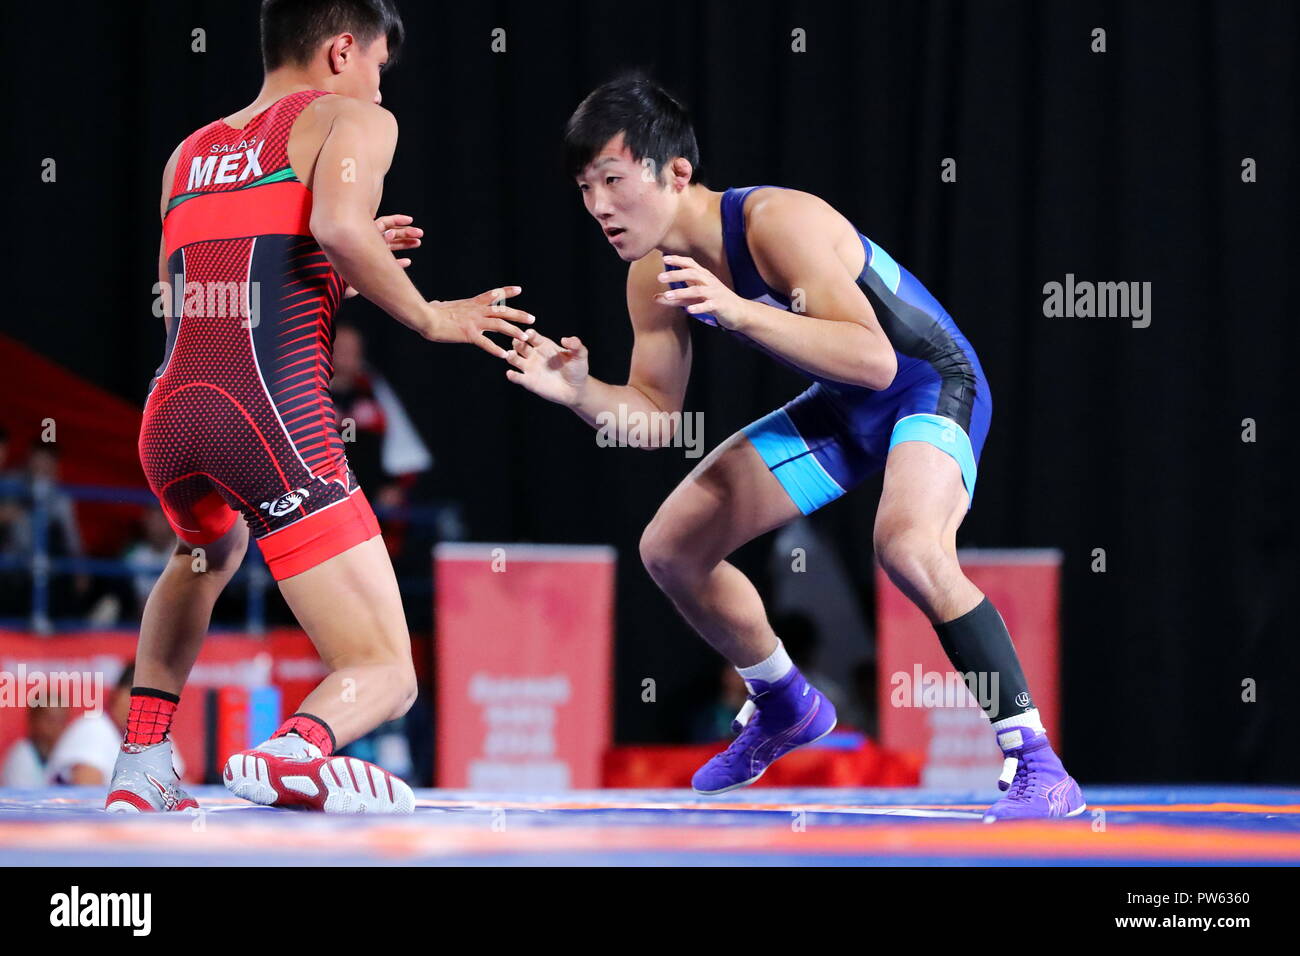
<point x="833" y="436"/>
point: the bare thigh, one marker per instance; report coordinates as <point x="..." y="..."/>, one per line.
<point x="730" y="498"/>
<point x="351" y="608"/>
<point x="923" y="503"/>
<point x="923" y="490"/>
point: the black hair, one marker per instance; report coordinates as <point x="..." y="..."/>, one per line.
<point x="654" y="124"/>
<point x="293" y="29"/>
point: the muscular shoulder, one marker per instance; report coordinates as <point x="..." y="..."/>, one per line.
<point x="775" y="214"/>
<point x="349" y="127"/>
<point x="788" y="230"/>
<point x="371" y="116"/>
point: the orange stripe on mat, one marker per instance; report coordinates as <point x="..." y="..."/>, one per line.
<point x="1289" y="808"/>
<point x="1261" y="808"/>
<point x="411" y="838"/>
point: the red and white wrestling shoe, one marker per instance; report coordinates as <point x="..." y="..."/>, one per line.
<point x="290" y="772"/>
<point x="144" y="781"/>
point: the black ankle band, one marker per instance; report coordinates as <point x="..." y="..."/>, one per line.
<point x="154" y="692"/>
<point x="334" y="743"/>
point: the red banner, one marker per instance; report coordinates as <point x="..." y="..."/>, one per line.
<point x="524" y="639"/>
<point x="926" y="707"/>
<point x="664" y="766"/>
<point x="91" y="663"/>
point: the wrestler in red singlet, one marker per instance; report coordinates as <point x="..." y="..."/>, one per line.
<point x="239" y="417"/>
<point x="269" y="215"/>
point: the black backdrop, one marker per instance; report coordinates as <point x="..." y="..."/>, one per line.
<point x="1117" y="166"/>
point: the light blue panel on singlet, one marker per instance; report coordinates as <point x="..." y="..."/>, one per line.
<point x="883" y="264"/>
<point x="786" y="454"/>
<point x="945" y="435"/>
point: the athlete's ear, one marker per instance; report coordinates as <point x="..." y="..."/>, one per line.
<point x="341" y="51"/>
<point x="679" y="173"/>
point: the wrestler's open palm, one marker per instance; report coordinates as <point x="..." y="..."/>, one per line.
<point x="469" y="320"/>
<point x="558" y="373"/>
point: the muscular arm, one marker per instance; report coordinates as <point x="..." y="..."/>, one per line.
<point x="347" y="179"/>
<point x="796" y="242"/>
<point x="347" y="183"/>
<point x="661" y="355"/>
<point x="661" y="362"/>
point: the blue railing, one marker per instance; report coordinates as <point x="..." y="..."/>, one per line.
<point x="440" y="520"/>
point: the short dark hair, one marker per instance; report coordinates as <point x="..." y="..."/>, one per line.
<point x="293" y="29"/>
<point x="653" y="122"/>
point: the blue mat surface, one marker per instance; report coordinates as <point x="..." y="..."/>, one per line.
<point x="1182" y="825"/>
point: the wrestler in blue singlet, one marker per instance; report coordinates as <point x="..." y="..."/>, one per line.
<point x="834" y="435"/>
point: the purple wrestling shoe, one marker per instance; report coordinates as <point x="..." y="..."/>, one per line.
<point x="1037" y="785"/>
<point x="777" y="718"/>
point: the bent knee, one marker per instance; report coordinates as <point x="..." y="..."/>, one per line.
<point x="655" y="553"/>
<point x="400" y="686"/>
<point x="405" y="691"/>
<point x="389" y="686"/>
<point x="228" y="562"/>
<point x="204" y="565"/>
<point x="220" y="558"/>
<point x="664" y="555"/>
<point x="911" y="553"/>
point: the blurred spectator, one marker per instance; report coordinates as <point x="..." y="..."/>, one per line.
<point x="15" y="586"/>
<point x="149" y="553"/>
<point x="11" y="510"/>
<point x="62" y="533"/>
<point x="87" y="750"/>
<point x="25" y="763"/>
<point x="383" y="447"/>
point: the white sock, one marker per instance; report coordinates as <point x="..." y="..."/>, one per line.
<point x="770" y="670"/>
<point x="1029" y="719"/>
